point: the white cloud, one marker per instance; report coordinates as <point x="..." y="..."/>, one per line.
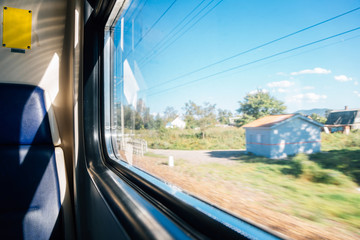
<point x="357" y="93"/>
<point x="342" y="78"/>
<point x="281" y="74"/>
<point x="258" y="90"/>
<point x="308" y="88"/>
<point x="282" y="90"/>
<point x="356" y="83"/>
<point x="281" y="84"/>
<point x="308" y="97"/>
<point x="312" y="71"/>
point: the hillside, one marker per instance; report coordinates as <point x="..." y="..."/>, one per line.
<point x="319" y="111"/>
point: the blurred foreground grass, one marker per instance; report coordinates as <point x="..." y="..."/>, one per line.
<point x="322" y="189"/>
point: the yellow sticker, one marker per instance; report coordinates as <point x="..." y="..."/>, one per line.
<point x="17" y="28"/>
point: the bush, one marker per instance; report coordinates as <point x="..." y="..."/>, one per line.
<point x="329" y="176"/>
<point x="356" y="175"/>
<point x="302" y="167"/>
<point x="296" y="165"/>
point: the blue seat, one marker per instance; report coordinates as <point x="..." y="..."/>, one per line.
<point x="30" y="201"/>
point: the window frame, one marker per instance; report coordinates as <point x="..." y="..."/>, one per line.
<point x="121" y="184"/>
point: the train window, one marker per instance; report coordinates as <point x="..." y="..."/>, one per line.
<point x="241" y="105"/>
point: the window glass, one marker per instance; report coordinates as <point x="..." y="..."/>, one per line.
<point x="190" y="79"/>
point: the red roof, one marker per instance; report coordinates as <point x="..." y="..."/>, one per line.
<point x="268" y="121"/>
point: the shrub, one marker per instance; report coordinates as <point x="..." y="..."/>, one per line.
<point x="328" y="176"/>
<point x="296" y="166"/>
<point x="302" y="167"/>
<point x="356" y="175"/>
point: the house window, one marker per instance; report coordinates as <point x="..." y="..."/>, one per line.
<point x="258" y="138"/>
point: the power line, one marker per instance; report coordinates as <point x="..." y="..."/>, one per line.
<point x="255" y="61"/>
<point x="156" y="22"/>
<point x="188" y="29"/>
<point x="253" y="49"/>
<point x="142" y="8"/>
<point x="137" y="12"/>
<point x="152" y="26"/>
<point x="163" y="39"/>
<point x="301" y="53"/>
<point x="197" y="14"/>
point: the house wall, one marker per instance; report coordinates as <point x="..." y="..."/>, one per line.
<point x="178" y="123"/>
<point x="295" y="136"/>
<point x="258" y="141"/>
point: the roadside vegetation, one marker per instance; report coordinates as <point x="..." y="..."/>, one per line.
<point x="312" y="196"/>
<point x="317" y="195"/>
<point x="192" y="139"/>
<point x="340" y="152"/>
<point x="321" y="197"/>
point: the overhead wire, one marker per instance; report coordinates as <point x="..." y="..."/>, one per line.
<point x="253" y="49"/>
<point x="138" y="10"/>
<point x="156" y="22"/>
<point x="173" y="29"/>
<point x="146" y="59"/>
<point x="252" y="62"/>
<point x="188" y="29"/>
<point x="301" y="53"/>
<point x="152" y="26"/>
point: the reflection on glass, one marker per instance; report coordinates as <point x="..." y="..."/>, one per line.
<point x="241" y="103"/>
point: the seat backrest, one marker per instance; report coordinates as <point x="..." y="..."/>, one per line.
<point x="30" y="196"/>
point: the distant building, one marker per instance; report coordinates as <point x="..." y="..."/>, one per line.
<point x="278" y="136"/>
<point x="176" y="123"/>
<point x="341" y="120"/>
<point x="232" y="120"/>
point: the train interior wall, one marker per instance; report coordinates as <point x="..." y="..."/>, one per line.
<point x="52" y="63"/>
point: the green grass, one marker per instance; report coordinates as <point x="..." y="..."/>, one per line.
<point x="319" y="188"/>
<point x="315" y="202"/>
<point x="190" y="139"/>
<point x="339" y="141"/>
<point x="339" y="152"/>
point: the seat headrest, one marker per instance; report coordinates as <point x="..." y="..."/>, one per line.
<point x="23" y="115"/>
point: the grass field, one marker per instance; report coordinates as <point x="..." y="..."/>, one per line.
<point x="339" y="152"/>
<point x="303" y="197"/>
<point x="190" y="139"/>
<point x="318" y="204"/>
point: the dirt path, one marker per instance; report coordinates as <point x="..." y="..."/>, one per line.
<point x="202" y="156"/>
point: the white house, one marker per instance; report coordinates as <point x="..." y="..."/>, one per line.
<point x="176" y="123"/>
<point x="278" y="136"/>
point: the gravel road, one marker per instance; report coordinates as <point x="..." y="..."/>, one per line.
<point x="202" y="156"/>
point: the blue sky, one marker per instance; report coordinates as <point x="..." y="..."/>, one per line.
<point x="322" y="75"/>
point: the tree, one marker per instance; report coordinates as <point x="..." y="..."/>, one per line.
<point x="244" y="120"/>
<point x="202" y="117"/>
<point x="191" y="113"/>
<point x="135" y="119"/>
<point x="169" y="114"/>
<point x="159" y="122"/>
<point x="318" y="118"/>
<point x="260" y="104"/>
<point x="207" y="117"/>
<point x="224" y="115"/>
